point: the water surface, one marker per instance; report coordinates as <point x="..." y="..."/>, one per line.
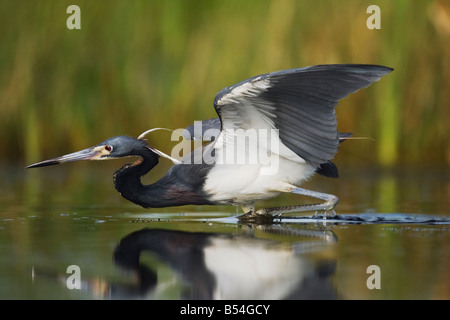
<point x="71" y="216"/>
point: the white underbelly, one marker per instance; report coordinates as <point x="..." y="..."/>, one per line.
<point x="245" y="183"/>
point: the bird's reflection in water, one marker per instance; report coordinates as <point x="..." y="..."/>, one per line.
<point x="219" y="266"/>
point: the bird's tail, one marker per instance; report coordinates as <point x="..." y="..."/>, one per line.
<point x="349" y="136"/>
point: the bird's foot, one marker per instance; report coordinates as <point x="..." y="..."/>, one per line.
<point x="325" y="214"/>
<point x="327" y="208"/>
<point x="259" y="217"/>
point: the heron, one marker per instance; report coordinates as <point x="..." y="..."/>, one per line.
<point x="297" y="108"/>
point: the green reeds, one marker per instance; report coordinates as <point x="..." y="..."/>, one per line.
<point x="141" y="64"/>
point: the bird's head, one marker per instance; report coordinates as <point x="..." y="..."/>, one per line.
<point x="116" y="147"/>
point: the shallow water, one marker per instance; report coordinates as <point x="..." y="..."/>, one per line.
<point x="64" y="216"/>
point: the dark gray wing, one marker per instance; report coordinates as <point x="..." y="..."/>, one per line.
<point x="205" y="130"/>
<point x="298" y="102"/>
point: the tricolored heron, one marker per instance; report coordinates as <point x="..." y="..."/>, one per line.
<point x="297" y="104"/>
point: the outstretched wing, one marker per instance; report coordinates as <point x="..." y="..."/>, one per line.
<point x="299" y="103"/>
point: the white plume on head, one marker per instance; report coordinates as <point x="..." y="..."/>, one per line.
<point x="142" y="135"/>
<point x="159" y="152"/>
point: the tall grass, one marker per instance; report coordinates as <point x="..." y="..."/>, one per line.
<point x="141" y="64"/>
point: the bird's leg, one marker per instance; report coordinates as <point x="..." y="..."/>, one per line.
<point x="327" y="206"/>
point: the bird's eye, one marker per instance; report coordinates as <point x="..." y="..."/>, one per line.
<point x="108" y="148"/>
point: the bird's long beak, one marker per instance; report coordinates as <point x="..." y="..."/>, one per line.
<point x="94" y="153"/>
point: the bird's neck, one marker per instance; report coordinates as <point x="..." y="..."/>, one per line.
<point x="127" y="180"/>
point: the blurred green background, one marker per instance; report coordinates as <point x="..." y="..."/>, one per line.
<point x="135" y="65"/>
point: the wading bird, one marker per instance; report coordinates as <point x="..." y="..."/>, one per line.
<point x="296" y="106"/>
